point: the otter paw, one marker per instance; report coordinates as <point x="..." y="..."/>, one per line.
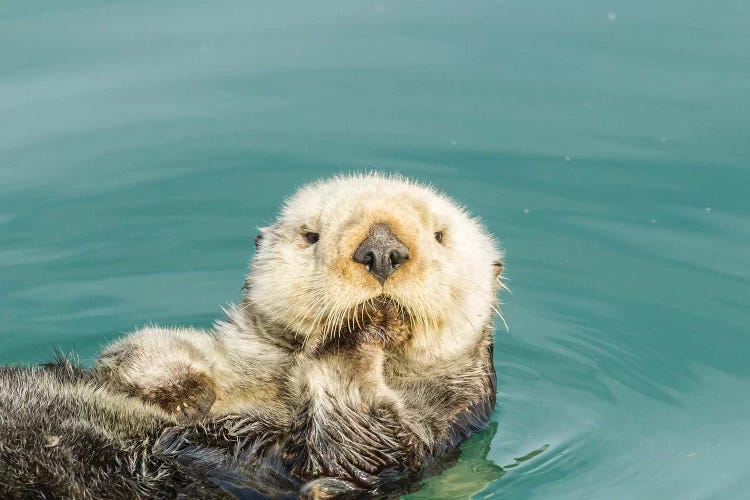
<point x="190" y="397"/>
<point x="330" y="487"/>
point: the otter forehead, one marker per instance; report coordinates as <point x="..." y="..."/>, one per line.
<point x="339" y="198"/>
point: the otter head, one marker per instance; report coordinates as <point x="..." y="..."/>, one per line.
<point x="351" y="251"/>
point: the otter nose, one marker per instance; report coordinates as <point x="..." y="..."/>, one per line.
<point x="381" y="252"/>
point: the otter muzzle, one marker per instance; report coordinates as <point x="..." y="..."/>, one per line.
<point x="381" y="252"/>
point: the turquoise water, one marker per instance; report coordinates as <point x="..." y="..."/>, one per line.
<point x="607" y="144"/>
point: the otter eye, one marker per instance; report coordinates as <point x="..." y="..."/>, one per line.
<point x="311" y="238"/>
<point x="439" y="237"/>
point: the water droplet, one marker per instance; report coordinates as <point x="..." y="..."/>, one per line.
<point x="526" y="210"/>
<point x="611" y="16"/>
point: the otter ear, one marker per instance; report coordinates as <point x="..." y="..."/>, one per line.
<point x="498" y="267"/>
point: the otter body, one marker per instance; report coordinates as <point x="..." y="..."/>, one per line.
<point x="360" y="357"/>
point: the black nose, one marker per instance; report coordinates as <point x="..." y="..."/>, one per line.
<point x="381" y="252"/>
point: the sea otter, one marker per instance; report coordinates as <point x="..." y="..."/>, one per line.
<point x="360" y="355"/>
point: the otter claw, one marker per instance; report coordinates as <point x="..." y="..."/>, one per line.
<point x="190" y="397"/>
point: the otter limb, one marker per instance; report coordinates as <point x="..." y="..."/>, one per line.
<point x="180" y="385"/>
<point x="348" y="426"/>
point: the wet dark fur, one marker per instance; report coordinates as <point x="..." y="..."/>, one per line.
<point x="54" y="444"/>
<point x="57" y="443"/>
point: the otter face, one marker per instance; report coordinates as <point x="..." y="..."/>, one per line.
<point x="345" y="248"/>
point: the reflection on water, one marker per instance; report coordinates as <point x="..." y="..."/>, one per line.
<point x="472" y="474"/>
<point x="518" y="461"/>
<point x="142" y="142"/>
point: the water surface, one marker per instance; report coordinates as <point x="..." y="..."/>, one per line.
<point x="607" y="145"/>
